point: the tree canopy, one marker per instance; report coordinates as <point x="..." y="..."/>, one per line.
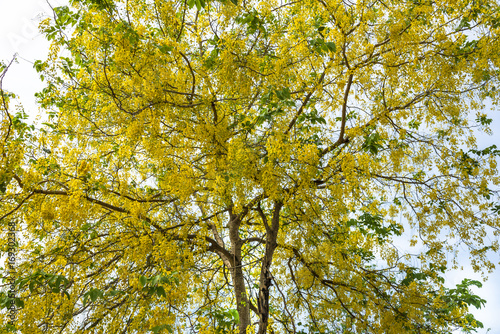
<point x="247" y="166"/>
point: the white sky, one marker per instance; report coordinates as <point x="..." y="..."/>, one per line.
<point x="19" y="34"/>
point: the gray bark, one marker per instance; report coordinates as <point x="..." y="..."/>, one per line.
<point x="265" y="273"/>
<point x="242" y="302"/>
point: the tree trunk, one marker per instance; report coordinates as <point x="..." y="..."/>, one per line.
<point x="242" y="303"/>
<point x="265" y="274"/>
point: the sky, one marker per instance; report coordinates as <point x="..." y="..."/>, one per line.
<point x="19" y="35"/>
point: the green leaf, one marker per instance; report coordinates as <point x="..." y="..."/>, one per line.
<point x="19" y="303"/>
<point x="330" y="46"/>
<point x="155" y="280"/>
<point x="10" y="328"/>
<point x="165" y="49"/>
<point x="159" y="329"/>
<point x="373" y="143"/>
<point x="234" y="314"/>
<point x="414" y="124"/>
<point x="283" y="94"/>
<point x="113" y="293"/>
<point x="93" y="294"/>
<point x="50" y="125"/>
<point x="160" y="291"/>
<point x="199" y="4"/>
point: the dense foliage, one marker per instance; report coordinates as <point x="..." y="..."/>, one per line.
<point x="223" y="166"/>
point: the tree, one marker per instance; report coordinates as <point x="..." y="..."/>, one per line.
<point x="224" y="166"/>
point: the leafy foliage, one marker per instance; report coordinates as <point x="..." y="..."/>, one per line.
<point x="225" y="166"/>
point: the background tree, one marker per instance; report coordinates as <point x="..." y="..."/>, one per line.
<point x="222" y="166"/>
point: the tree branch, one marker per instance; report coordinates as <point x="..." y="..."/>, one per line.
<point x="304" y="103"/>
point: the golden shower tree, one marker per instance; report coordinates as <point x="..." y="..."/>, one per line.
<point x="245" y="167"/>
